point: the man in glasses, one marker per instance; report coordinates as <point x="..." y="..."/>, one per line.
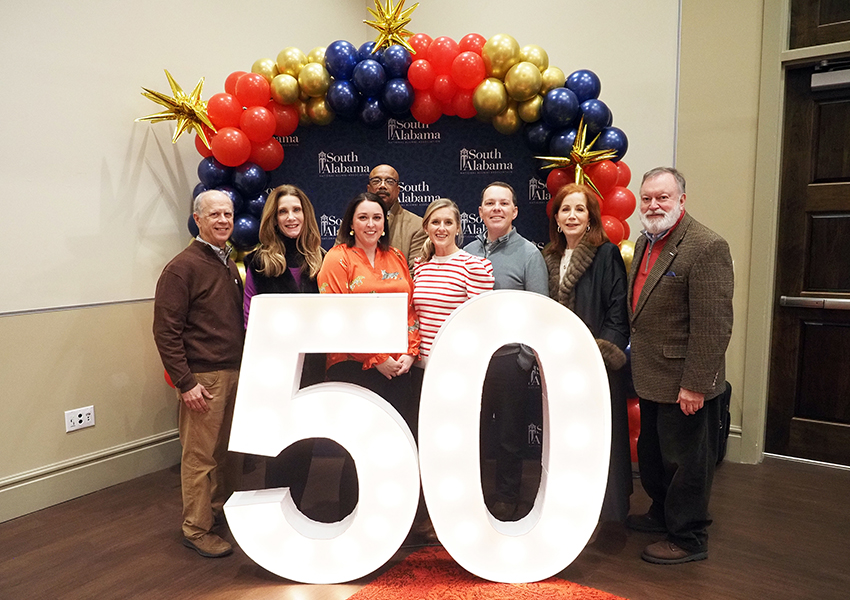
<point x="404" y="228"/>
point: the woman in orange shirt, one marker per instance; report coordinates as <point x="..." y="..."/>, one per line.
<point x="364" y="263"/>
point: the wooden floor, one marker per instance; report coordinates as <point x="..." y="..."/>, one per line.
<point x="781" y="531"/>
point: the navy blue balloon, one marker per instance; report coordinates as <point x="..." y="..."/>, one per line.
<point x="585" y="84"/>
<point x="560" y="107"/>
<point x="613" y="138"/>
<point x="200" y="188"/>
<point x="396" y="60"/>
<point x="561" y="142"/>
<point x="254" y="206"/>
<point x="193" y="227"/>
<point x="365" y="51"/>
<point x="340" y="59"/>
<point x="537" y="136"/>
<point x="373" y="113"/>
<point x="344" y="99"/>
<point x="398" y="96"/>
<point x="212" y="173"/>
<point x="249" y="179"/>
<point x="597" y="116"/>
<point x="369" y="77"/>
<point x="246" y="232"/>
<point x="234" y="194"/>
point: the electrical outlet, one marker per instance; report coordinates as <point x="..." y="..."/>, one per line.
<point x="79" y="418"/>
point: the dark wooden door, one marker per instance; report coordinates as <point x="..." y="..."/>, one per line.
<point x="809" y="394"/>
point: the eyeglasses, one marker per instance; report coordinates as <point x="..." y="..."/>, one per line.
<point x="376" y="181"/>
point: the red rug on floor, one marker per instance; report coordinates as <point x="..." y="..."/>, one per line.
<point x="431" y="573"/>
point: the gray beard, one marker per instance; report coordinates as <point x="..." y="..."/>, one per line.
<point x="657" y="226"/>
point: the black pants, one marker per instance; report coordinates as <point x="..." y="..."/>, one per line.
<point x="505" y="395"/>
<point x="677" y="454"/>
<point x="396" y="391"/>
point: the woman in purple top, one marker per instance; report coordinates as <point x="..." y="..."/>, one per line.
<point x="286" y="262"/>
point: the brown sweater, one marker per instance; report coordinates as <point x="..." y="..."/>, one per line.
<point x="197" y="320"/>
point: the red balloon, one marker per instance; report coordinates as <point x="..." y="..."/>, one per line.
<point x="421" y="74"/>
<point x="267" y="155"/>
<point x="444" y="88"/>
<point x="613" y="229"/>
<point x="230" y="82"/>
<point x="625" y="174"/>
<point x="425" y="108"/>
<point x="257" y="123"/>
<point x="168" y="378"/>
<point x="449" y="109"/>
<point x="252" y="89"/>
<point x="558" y="178"/>
<point x="231" y="147"/>
<point x="603" y="175"/>
<point x="620" y="202"/>
<point x="462" y="104"/>
<point x="472" y="42"/>
<point x="627" y="231"/>
<point x="201" y="148"/>
<point x="468" y="70"/>
<point x="442" y="53"/>
<point x="224" y="111"/>
<point x="286" y="118"/>
<point x="420" y="43"/>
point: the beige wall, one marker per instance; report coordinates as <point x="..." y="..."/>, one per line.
<point x="135" y="183"/>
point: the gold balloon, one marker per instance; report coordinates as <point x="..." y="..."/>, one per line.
<point x="290" y="61"/>
<point x="500" y="53"/>
<point x="535" y="55"/>
<point x="523" y="81"/>
<point x="529" y="111"/>
<point x="285" y="89"/>
<point x="490" y="98"/>
<point x="303" y="116"/>
<point x="317" y="55"/>
<point x="508" y="121"/>
<point x="265" y="67"/>
<point x="319" y="111"/>
<point x="627" y="251"/>
<point x="553" y="77"/>
<point x="314" y="80"/>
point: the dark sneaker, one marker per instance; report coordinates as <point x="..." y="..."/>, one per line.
<point x="646" y="523"/>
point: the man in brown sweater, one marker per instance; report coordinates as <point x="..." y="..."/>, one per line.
<point x="198" y="331"/>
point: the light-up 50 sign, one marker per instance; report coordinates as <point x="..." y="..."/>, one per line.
<point x="271" y="413"/>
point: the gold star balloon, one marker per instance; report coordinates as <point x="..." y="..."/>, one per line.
<point x="581" y="156"/>
<point x="390" y="21"/>
<point x="190" y="111"/>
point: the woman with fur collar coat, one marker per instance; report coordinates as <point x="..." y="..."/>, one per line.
<point x="587" y="275"/>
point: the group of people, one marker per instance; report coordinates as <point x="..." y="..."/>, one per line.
<point x="674" y="306"/>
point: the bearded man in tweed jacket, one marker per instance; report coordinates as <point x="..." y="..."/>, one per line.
<point x="680" y="310"/>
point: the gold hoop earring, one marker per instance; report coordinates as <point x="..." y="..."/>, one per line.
<point x="588" y="228"/>
<point x="559" y="228"/>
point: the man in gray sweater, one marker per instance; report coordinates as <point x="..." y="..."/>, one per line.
<point x="517" y="265"/>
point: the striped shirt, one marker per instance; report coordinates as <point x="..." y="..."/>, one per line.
<point x="441" y="285"/>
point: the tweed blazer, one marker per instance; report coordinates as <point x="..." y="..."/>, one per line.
<point x="682" y="322"/>
<point x="406" y="233"/>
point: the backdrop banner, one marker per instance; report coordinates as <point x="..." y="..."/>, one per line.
<point x="453" y="158"/>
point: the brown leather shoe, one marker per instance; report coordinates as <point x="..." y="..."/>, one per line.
<point x="209" y="545"/>
<point x="645" y="523"/>
<point x="668" y="553"/>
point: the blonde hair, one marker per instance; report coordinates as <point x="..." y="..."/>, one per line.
<point x="270" y="258"/>
<point x="427" y="246"/>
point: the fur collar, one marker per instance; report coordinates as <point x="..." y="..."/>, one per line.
<point x="564" y="291"/>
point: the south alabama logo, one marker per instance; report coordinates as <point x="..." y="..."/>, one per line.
<point x="329" y="226"/>
<point x="404" y="132"/>
<point x="480" y="161"/>
<point x="471" y="225"/>
<point x="332" y="164"/>
<point x="537" y="191"/>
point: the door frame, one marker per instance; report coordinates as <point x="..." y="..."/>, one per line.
<point x="776" y="58"/>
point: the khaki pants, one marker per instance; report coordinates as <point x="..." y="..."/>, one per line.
<point x="208" y="472"/>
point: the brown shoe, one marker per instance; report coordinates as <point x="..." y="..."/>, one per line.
<point x="209" y="545"/>
<point x="668" y="553"/>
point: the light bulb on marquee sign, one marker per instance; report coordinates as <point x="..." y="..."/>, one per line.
<point x="271" y="413"/>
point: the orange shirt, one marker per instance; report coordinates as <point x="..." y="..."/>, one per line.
<point x="348" y="271"/>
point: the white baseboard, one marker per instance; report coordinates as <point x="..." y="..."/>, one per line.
<point x="28" y="492"/>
